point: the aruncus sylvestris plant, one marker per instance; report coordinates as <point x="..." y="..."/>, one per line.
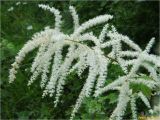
<point x="51" y="42"/>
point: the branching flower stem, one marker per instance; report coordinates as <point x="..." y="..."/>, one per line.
<point x="74" y="41"/>
<point x="51" y="43"/>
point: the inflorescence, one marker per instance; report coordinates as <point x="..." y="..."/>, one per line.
<point x="51" y="42"/>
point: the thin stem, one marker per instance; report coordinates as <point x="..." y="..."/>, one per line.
<point x="91" y="49"/>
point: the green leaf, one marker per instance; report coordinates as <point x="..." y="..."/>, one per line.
<point x="112" y="98"/>
<point x="23" y="115"/>
<point x="140" y="87"/>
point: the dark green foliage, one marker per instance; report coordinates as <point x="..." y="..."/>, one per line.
<point x="138" y="20"/>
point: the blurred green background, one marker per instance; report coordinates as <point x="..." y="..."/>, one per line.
<point x="20" y="20"/>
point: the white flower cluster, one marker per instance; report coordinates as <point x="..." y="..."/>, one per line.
<point x="17" y="4"/>
<point x="51" y="42"/>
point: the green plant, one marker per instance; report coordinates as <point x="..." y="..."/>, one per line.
<point x="86" y="51"/>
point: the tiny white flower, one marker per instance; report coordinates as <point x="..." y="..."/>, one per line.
<point x="18" y="3"/>
<point x="10" y="9"/>
<point x="151" y="111"/>
<point x="24" y="3"/>
<point x="47" y="27"/>
<point x="29" y="27"/>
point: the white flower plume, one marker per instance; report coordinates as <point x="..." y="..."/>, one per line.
<point x="53" y="69"/>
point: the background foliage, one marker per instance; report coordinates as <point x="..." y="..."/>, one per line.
<point x="138" y="20"/>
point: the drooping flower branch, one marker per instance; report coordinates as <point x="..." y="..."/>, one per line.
<point x="51" y="42"/>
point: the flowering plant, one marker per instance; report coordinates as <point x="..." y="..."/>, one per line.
<point x="81" y="55"/>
